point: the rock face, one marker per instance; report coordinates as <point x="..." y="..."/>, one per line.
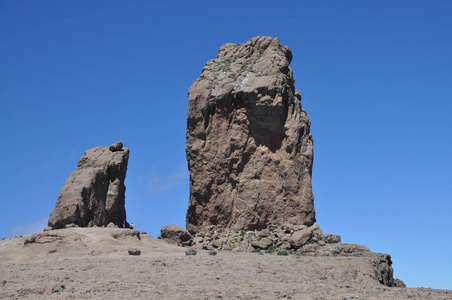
<point x="249" y="147"/>
<point x="95" y="193"/>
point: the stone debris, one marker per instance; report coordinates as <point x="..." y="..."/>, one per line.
<point x="274" y="237"/>
<point x="294" y="240"/>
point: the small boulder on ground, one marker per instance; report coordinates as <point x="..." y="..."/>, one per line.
<point x="264" y="233"/>
<point x="218" y="243"/>
<point x="190" y="251"/>
<point x="134" y="251"/>
<point x="174" y="234"/>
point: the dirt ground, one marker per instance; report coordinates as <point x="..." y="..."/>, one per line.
<point x="93" y="263"/>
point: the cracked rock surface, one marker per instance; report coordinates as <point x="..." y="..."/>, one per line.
<point x="94" y="194"/>
<point x="249" y="147"/>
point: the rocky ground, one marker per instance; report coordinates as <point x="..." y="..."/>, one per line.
<point x="93" y="263"/>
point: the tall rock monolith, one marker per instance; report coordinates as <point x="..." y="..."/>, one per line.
<point x="94" y="194"/>
<point x="249" y="147"/>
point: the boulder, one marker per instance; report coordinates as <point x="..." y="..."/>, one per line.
<point x="134" y="251"/>
<point x="332" y="239"/>
<point x="249" y="147"/>
<point x="399" y="283"/>
<point x="264" y="233"/>
<point x="190" y="251"/>
<point x="94" y="194"/>
<point x="299" y="238"/>
<point x="174" y="234"/>
<point x="383" y="264"/>
<point x="116" y="147"/>
<point x="264" y="243"/>
<point x="218" y="243"/>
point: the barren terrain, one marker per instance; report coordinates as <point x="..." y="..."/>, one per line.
<point x="93" y="263"/>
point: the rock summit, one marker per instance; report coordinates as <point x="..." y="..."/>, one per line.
<point x="249" y="147"/>
<point x="94" y="194"/>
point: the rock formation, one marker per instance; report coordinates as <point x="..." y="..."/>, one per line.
<point x="176" y="235"/>
<point x="94" y="195"/>
<point x="249" y="147"/>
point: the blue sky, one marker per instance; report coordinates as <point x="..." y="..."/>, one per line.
<point x="375" y="78"/>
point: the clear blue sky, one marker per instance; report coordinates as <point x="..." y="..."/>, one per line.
<point x="376" y="80"/>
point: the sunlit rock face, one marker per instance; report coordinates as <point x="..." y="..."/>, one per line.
<point x="249" y="147"/>
<point x="94" y="194"/>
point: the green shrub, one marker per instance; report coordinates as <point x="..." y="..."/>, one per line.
<point x="272" y="228"/>
<point x="311" y="241"/>
<point x="272" y="248"/>
<point x="283" y="252"/>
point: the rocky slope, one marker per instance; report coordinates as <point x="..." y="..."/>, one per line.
<point x="94" y="194"/>
<point x="249" y="147"/>
<point x="69" y="264"/>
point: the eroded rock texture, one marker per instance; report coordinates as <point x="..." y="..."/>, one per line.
<point x="249" y="148"/>
<point x="95" y="193"/>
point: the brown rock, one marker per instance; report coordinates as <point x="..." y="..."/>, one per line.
<point x="116" y="147"/>
<point x="94" y="195"/>
<point x="174" y="234"/>
<point x="299" y="238"/>
<point x="111" y="225"/>
<point x="249" y="147"/>
<point x="264" y="233"/>
<point x="331" y="238"/>
<point x="383" y="263"/>
<point x="265" y="243"/>
<point x="218" y="243"/>
<point x="299" y="227"/>
<point x="399" y="283"/>
<point x="347" y="249"/>
<point x="311" y="248"/>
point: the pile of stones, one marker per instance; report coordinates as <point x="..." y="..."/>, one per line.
<point x="292" y="238"/>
